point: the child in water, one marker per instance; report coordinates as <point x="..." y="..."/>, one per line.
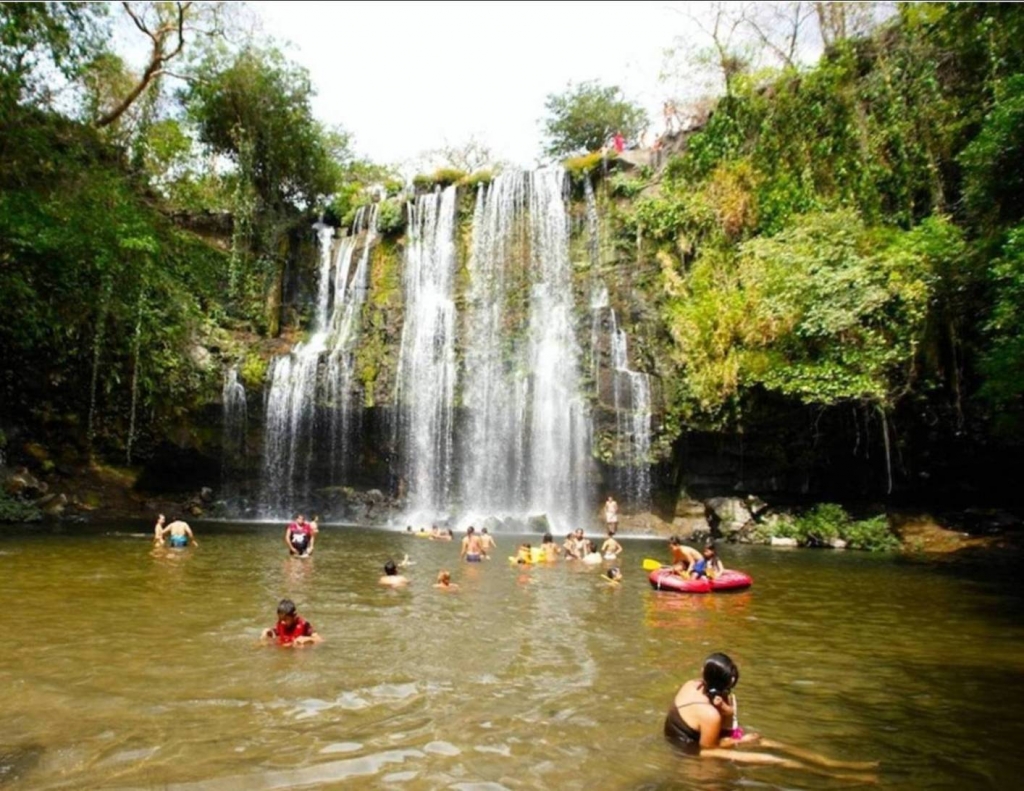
<point x="614" y="575"/>
<point x="291" y="629"/>
<point x="444" y="581"/>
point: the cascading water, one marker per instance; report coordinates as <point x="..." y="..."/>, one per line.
<point x="291" y="414"/>
<point x="559" y="436"/>
<point x="632" y="394"/>
<point x="426" y="368"/>
<point x="528" y="438"/>
<point x="349" y="297"/>
<point x="493" y="391"/>
<point x="235" y="425"/>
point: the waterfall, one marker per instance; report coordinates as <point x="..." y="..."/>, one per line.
<point x="426" y="368"/>
<point x="632" y="419"/>
<point x="492" y="460"/>
<point x="349" y="297"/>
<point x="291" y="401"/>
<point x="235" y="425"/>
<point x="559" y="436"/>
<point x="528" y="435"/>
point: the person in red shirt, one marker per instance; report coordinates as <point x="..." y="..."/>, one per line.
<point x="291" y="629"/>
<point x="619" y="142"/>
<point x="300" y="536"/>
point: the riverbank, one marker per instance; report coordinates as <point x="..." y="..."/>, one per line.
<point x="84" y="493"/>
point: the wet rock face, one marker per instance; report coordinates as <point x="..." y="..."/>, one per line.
<point x="728" y="515"/>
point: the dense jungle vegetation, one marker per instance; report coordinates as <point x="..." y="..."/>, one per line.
<point x="843" y="240"/>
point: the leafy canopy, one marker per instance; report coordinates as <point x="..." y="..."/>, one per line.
<point x="255" y="108"/>
<point x="585" y="116"/>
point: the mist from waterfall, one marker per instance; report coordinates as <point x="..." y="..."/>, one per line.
<point x="426" y="370"/>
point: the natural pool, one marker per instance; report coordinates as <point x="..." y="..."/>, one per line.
<point x="124" y="669"/>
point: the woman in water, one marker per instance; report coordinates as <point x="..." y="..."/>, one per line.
<point x="702" y="721"/>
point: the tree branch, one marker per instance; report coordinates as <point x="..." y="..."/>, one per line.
<point x="158" y="58"/>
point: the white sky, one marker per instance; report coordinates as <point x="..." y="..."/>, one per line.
<point x="404" y="77"/>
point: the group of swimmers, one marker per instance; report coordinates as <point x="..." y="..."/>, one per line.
<point x="702" y="718"/>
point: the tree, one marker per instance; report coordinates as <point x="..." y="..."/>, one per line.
<point x="36" y="38"/>
<point x="585" y="116"/>
<point x="255" y="109"/>
<point x="167" y="26"/>
<point x="469" y="157"/>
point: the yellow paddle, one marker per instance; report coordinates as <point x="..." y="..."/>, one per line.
<point x="653" y="565"/>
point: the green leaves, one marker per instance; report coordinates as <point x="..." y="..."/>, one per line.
<point x="827" y="311"/>
<point x="586" y="116"/>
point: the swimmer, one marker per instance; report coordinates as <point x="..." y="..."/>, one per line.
<point x="613" y="575"/>
<point x="487" y="543"/>
<point x="299" y="537"/>
<point x="291" y="629"/>
<point x="611" y="549"/>
<point x="524" y="554"/>
<point x="590" y="553"/>
<point x="405" y="562"/>
<point x="471" y="548"/>
<point x="444" y="581"/>
<point x="391" y="576"/>
<point x="683" y="557"/>
<point x="177" y="534"/>
<point x="570" y="548"/>
<point x="551" y="549"/>
<point x="701" y="721"/>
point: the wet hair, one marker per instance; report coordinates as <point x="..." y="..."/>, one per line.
<point x="548" y="539"/>
<point x="470" y="530"/>
<point x="613" y="573"/>
<point x="484" y="530"/>
<point x="390" y="568"/>
<point x="720" y="675"/>
<point x="443" y="576"/>
<point x="674" y="541"/>
<point x="285" y="608"/>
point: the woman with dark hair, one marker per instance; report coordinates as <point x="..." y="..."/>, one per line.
<point x="702" y="721"/>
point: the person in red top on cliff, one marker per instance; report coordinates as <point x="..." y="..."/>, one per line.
<point x="291" y="629"/>
<point x="300" y="536"/>
<point x="619" y="142"/>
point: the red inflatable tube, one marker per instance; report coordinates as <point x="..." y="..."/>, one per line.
<point x="666" y="580"/>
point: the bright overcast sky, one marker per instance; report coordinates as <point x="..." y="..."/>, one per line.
<point x="404" y="77"/>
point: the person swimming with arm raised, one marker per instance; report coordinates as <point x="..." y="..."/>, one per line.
<point x="391" y="576"/>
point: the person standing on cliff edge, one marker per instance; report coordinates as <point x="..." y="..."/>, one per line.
<point x="611" y="515"/>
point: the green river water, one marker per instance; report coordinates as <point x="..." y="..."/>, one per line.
<point x="122" y="668"/>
